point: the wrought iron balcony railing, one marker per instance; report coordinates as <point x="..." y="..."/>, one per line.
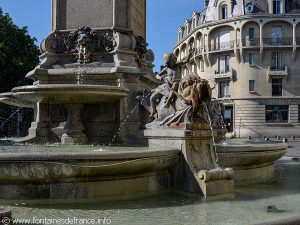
<point x="251" y="42"/>
<point x="199" y="50"/>
<point x="225" y="73"/>
<point x="183" y="59"/>
<point x="277" y="68"/>
<point x="222" y="46"/>
<point x="222" y="71"/>
<point x="278" y="41"/>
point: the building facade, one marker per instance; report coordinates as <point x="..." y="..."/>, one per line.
<point x="249" y="50"/>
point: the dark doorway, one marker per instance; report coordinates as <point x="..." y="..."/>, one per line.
<point x="228" y="118"/>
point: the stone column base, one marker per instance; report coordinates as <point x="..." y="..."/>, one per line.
<point x="74" y="139"/>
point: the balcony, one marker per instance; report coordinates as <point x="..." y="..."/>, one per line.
<point x="199" y="51"/>
<point x="183" y="59"/>
<point x="223" y="74"/>
<point x="251" y="42"/>
<point x="222" y="46"/>
<point x="277" y="71"/>
<point x="278" y="41"/>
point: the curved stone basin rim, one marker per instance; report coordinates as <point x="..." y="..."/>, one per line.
<point x="8" y="99"/>
<point x="250" y="147"/>
<point x="69" y="93"/>
<point x="16" y="167"/>
<point x="251" y="162"/>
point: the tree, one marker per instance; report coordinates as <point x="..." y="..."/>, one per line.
<point x="18" y="54"/>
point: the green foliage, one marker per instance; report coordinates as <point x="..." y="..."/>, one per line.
<point x="18" y="54"/>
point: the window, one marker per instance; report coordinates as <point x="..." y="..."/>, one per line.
<point x="224" y="89"/>
<point x="228" y="118"/>
<point x="277" y="113"/>
<point x="224" y="40"/>
<point x="224" y="64"/>
<point x="224" y="12"/>
<point x="202" y="65"/>
<point x="276" y="61"/>
<point x="179" y="36"/>
<point x="251" y="85"/>
<point x="276" y="87"/>
<point x="251" y="58"/>
<point x="185" y="71"/>
<point x="251" y="34"/>
<point x="194" y="23"/>
<point x="186" y="31"/>
<point x="194" y="68"/>
<point x="276" y="35"/>
<point x="276" y="7"/>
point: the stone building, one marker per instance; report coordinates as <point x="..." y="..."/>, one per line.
<point x="249" y="51"/>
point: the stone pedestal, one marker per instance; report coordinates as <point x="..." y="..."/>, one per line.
<point x="130" y="132"/>
<point x="126" y="15"/>
<point x="198" y="171"/>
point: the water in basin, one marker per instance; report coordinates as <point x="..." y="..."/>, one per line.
<point x="248" y="205"/>
<point x="255" y="141"/>
<point x="59" y="148"/>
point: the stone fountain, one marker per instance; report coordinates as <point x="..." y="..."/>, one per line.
<point x="91" y="70"/>
<point x="87" y="90"/>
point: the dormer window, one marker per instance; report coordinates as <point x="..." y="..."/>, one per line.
<point x="276" y="7"/>
<point x="194" y="23"/>
<point x="187" y="30"/>
<point x="224" y="12"/>
<point x="180" y="33"/>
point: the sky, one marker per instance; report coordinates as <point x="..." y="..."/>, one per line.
<point x="163" y="19"/>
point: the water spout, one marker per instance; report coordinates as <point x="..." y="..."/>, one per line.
<point x="212" y="134"/>
<point x="122" y="124"/>
<point x="14" y="113"/>
<point x="80" y="75"/>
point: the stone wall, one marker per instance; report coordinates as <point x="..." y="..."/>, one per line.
<point x="117" y="14"/>
<point x="138" y="17"/>
<point x="73" y="14"/>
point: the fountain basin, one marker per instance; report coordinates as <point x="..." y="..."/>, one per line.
<point x="252" y="162"/>
<point x="9" y="99"/>
<point x="61" y="175"/>
<point x="69" y="93"/>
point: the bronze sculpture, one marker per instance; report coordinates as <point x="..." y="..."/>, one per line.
<point x="169" y="87"/>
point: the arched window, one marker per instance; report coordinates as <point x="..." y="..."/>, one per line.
<point x="224" y="11"/>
